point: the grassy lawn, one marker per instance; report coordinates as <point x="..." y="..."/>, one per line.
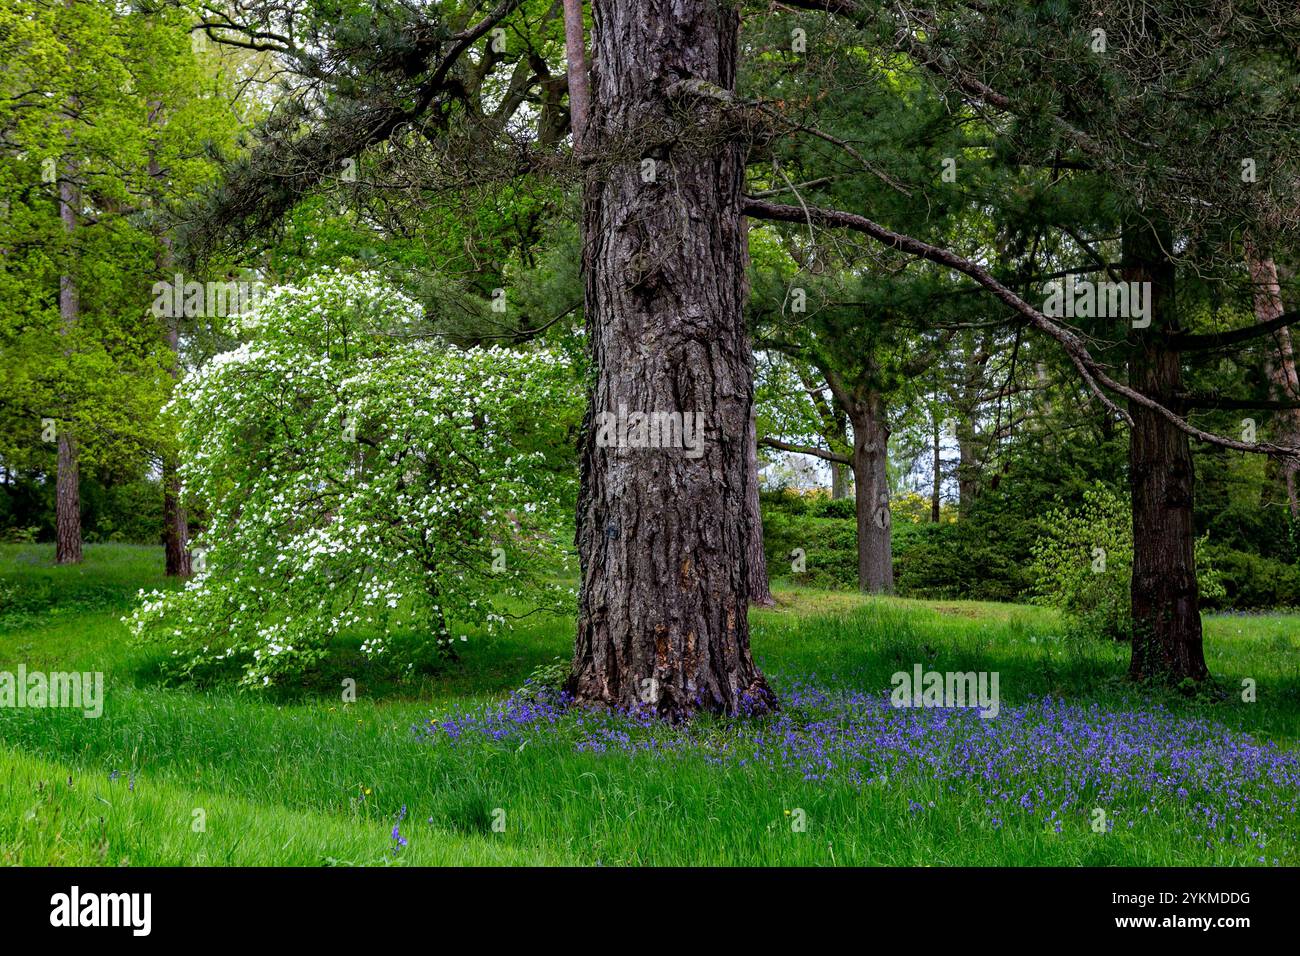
<point x="215" y="776"/>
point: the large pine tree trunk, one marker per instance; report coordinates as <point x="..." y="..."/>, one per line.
<point x="1166" y="608"/>
<point x="1279" y="366"/>
<point x="663" y="537"/>
<point x="871" y="485"/>
<point x="67" y="494"/>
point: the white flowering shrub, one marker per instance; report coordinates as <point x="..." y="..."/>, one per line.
<point x="353" y="478"/>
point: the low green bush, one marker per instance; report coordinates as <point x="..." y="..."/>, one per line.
<point x="1251" y="582"/>
<point x="984" y="557"/>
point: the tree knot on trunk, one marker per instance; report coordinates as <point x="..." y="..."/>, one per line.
<point x="694" y="89"/>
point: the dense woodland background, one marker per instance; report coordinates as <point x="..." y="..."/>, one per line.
<point x="868" y="203"/>
<point x="364" y="583"/>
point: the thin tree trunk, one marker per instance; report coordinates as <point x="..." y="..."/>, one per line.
<point x="663" y="537"/>
<point x="1167" y="642"/>
<point x="840" y="472"/>
<point x="1280" y="368"/>
<point x="968" y="470"/>
<point x="576" y="55"/>
<point x="176" y="524"/>
<point x="67" y="505"/>
<point x="176" y="531"/>
<point x="936" y="474"/>
<point x="969" y="397"/>
<point x="760" y="591"/>
<point x="839" y="481"/>
<point x="871" y="483"/>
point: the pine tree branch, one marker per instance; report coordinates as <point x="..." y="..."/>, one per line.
<point x="1094" y="375"/>
<point x="806" y="450"/>
<point x="1184" y="342"/>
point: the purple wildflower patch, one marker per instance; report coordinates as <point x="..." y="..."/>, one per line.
<point x="1047" y="760"/>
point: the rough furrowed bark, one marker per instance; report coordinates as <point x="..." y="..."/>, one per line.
<point x="760" y="590"/>
<point x="663" y="534"/>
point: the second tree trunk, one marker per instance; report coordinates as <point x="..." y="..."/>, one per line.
<point x="871" y="486"/>
<point x="1166" y="608"/>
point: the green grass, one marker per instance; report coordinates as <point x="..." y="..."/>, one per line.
<point x="306" y="779"/>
